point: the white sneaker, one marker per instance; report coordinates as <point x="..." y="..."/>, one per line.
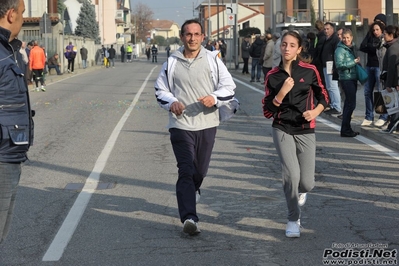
<point x="42" y="88"/>
<point x="366" y="123"/>
<point x="37" y="89"/>
<point x="302" y="198"/>
<point x="197" y="196"/>
<point x="293" y="229"/>
<point x="380" y="123"/>
<point x="190" y="227"/>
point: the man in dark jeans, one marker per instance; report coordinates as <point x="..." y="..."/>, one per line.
<point x="255" y="51"/>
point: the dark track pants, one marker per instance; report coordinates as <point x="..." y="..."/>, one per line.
<point x="193" y="151"/>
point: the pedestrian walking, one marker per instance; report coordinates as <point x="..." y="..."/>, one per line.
<point x="37" y="63"/>
<point x="294" y="97"/>
<point x="70" y="54"/>
<point x="191" y="86"/>
<point x="15" y="114"/>
<point x="83" y="55"/>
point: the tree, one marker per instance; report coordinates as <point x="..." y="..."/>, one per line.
<point x="141" y="18"/>
<point x="61" y="7"/>
<point x="87" y="25"/>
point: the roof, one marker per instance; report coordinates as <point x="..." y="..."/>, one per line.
<point x="245" y="2"/>
<point x="53" y="19"/>
<point x="162" y="24"/>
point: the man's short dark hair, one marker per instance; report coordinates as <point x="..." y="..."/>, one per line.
<point x="330" y="23"/>
<point x="190" y="21"/>
<point x="6" y="5"/>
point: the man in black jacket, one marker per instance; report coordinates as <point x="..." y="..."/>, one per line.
<point x="327" y="60"/>
<point x="112" y="54"/>
<point x="15" y="114"/>
<point x="255" y="52"/>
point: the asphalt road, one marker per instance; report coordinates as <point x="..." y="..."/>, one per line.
<point x="105" y="126"/>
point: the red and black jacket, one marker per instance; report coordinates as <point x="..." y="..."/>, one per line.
<point x="308" y="91"/>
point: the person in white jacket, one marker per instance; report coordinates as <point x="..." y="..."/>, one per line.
<point x="192" y="85"/>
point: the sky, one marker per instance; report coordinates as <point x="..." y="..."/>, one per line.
<point x="176" y="10"/>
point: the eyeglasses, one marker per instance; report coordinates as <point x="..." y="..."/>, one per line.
<point x="191" y="35"/>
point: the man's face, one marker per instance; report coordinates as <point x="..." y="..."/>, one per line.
<point x="17" y="19"/>
<point x="192" y="37"/>
<point x="328" y="30"/>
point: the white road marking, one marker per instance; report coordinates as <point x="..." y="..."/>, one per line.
<point x="68" y="227"/>
<point x="362" y="139"/>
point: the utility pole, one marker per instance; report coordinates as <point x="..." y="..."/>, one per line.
<point x="389" y="11"/>
<point x="321" y="10"/>
<point x="218" y="28"/>
<point x="235" y="42"/>
<point x="209" y="20"/>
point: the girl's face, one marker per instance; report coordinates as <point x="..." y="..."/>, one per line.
<point x="290" y="48"/>
<point x="347" y="39"/>
<point x="388" y="37"/>
<point x="377" y="31"/>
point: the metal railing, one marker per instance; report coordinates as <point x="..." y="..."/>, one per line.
<point x="304" y="15"/>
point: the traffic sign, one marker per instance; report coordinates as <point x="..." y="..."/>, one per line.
<point x="231" y="9"/>
<point x="230" y="19"/>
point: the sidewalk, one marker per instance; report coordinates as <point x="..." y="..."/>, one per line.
<point x="49" y="79"/>
<point x="371" y="132"/>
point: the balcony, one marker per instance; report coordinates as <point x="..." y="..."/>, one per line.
<point x="304" y="16"/>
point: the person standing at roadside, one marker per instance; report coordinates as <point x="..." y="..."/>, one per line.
<point x="83" y="55"/>
<point x="345" y="62"/>
<point x="16" y="119"/>
<point x="268" y="56"/>
<point x="255" y="51"/>
<point x="294" y="97"/>
<point x="37" y="62"/>
<point x="276" y="48"/>
<point x="112" y="54"/>
<point x="191" y="86"/>
<point x="370" y="45"/>
<point x="390" y="70"/>
<point x="327" y="61"/>
<point x="129" y="51"/>
<point x="70" y="55"/>
<point x="245" y="45"/>
<point x="123" y="53"/>
<point x="154" y="52"/>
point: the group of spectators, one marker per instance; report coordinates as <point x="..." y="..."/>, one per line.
<point x="219" y="45"/>
<point x="336" y="57"/>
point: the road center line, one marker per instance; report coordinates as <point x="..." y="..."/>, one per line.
<point x="362" y="139"/>
<point x="68" y="227"/>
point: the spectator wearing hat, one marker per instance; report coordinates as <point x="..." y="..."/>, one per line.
<point x="381" y="18"/>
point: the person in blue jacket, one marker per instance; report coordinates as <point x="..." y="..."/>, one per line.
<point x="15" y="114"/>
